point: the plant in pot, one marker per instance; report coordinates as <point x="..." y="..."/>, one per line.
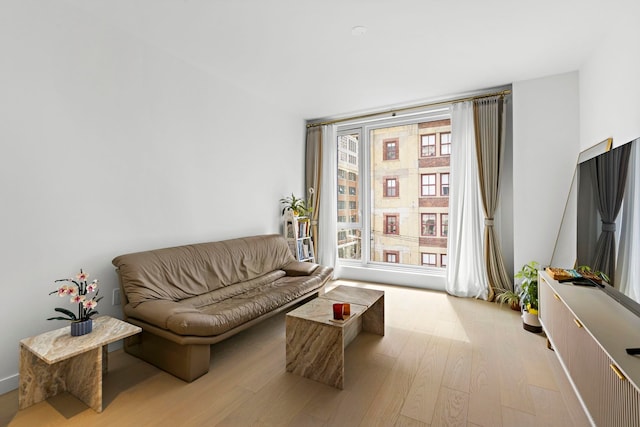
<point x="509" y="297"/>
<point x="529" y="296"/>
<point x="295" y="205"/>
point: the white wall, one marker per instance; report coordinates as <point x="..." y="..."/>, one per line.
<point x="111" y="146"/>
<point x="545" y="150"/>
<point x="610" y="84"/>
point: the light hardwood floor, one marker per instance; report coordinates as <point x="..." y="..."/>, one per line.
<point x="443" y="361"/>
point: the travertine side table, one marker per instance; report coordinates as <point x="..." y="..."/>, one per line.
<point x="55" y="362"/>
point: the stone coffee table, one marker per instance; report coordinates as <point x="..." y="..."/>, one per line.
<point x="54" y="362"/>
<point x="316" y="342"/>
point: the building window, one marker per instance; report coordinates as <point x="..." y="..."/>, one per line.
<point x="391" y="224"/>
<point x="428" y="145"/>
<point x="342" y="173"/>
<point x="353" y="204"/>
<point x="445" y="144"/>
<point x="392" y="256"/>
<point x="353" y="159"/>
<point x="444" y="184"/>
<point x="428" y="184"/>
<point x="443" y="260"/>
<point x="390" y="149"/>
<point x="429" y="259"/>
<point x="341" y="204"/>
<point x="444" y="225"/>
<point x="352" y="176"/>
<point x="428" y="224"/>
<point x="342" y="218"/>
<point x="342" y="235"/>
<point x="353" y="218"/>
<point x="391" y="187"/>
<point x="352" y="191"/>
<point x="341" y="189"/>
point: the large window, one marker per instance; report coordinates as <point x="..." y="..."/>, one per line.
<point x="380" y="222"/>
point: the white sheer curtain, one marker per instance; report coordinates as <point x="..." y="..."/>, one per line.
<point x="628" y="268"/>
<point x="466" y="270"/>
<point x="327" y="225"/>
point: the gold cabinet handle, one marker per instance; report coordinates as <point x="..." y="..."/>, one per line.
<point x="556" y="296"/>
<point x="577" y="322"/>
<point x="615" y="369"/>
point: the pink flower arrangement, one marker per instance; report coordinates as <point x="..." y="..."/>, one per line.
<point x="78" y="289"/>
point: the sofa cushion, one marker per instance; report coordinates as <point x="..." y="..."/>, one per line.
<point x="227" y="307"/>
<point x="220" y="317"/>
<point x="188" y="271"/>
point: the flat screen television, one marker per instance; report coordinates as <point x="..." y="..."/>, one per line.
<point x="601" y="224"/>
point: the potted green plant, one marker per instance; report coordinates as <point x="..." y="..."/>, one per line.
<point x="295" y="205"/>
<point x="509" y="297"/>
<point x="528" y="275"/>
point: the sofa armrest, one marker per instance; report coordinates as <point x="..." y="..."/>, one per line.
<point x="298" y="268"/>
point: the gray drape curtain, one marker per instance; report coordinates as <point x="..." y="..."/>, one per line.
<point x="489" y="122"/>
<point x="609" y="175"/>
<point x="313" y="178"/>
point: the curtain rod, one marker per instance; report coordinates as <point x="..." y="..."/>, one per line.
<point x="415" y="107"/>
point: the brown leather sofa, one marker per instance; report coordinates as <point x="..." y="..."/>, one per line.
<point x="189" y="297"/>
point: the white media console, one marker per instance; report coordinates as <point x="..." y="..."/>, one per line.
<point x="590" y="333"/>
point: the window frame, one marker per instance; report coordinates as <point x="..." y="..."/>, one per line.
<point x="396" y="254"/>
<point x="444" y="224"/>
<point x="396" y="186"/>
<point x="396" y="150"/>
<point x="448" y="144"/>
<point x="442" y="187"/>
<point x="386" y="219"/>
<point x="435" y="259"/>
<point x="422" y="145"/>
<point x="422" y="224"/>
<point x="422" y="185"/>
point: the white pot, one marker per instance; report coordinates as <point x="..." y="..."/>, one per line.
<point x="530" y="322"/>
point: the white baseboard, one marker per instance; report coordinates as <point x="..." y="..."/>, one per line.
<point x="8" y="384"/>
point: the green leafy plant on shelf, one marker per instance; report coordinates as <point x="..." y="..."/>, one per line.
<point x="298" y="206"/>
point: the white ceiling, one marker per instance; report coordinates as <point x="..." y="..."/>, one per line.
<point x="301" y="55"/>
